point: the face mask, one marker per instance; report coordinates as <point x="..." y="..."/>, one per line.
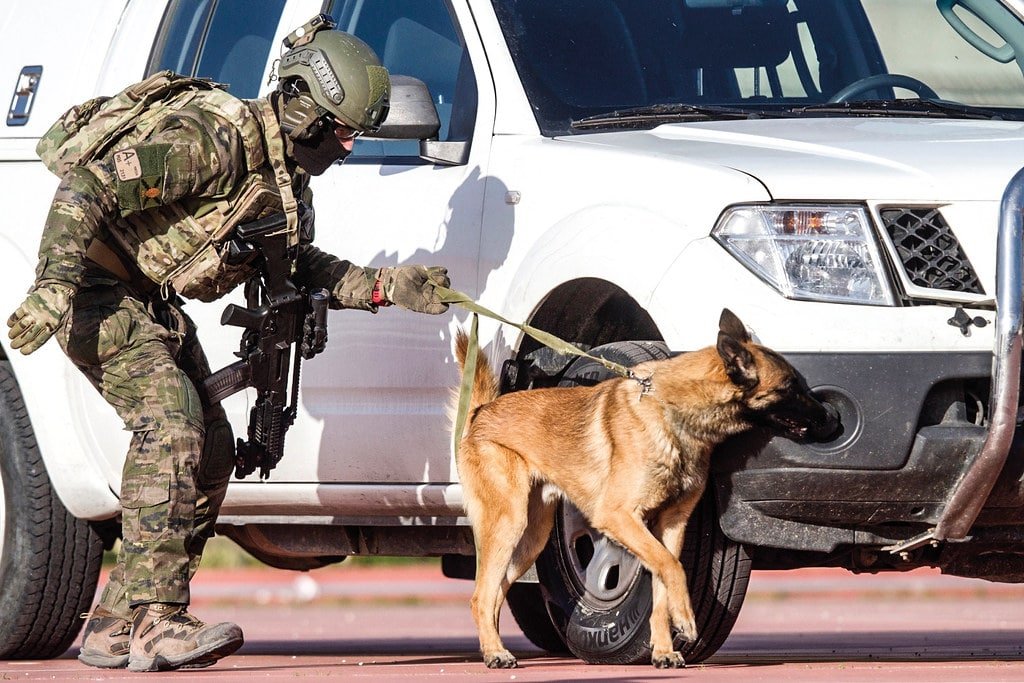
<point x="316" y="153"/>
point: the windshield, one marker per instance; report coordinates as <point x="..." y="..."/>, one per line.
<point x="610" y="61"/>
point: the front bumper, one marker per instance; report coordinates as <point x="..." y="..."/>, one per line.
<point x="926" y="438"/>
<point x="910" y="423"/>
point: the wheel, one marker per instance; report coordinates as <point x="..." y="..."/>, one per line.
<point x="922" y="89"/>
<point x="526" y="602"/>
<point x="50" y="561"/>
<point x="598" y="595"/>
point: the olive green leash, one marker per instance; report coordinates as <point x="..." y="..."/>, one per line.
<point x="452" y="297"/>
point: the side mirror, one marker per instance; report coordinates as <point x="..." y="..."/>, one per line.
<point x="412" y="115"/>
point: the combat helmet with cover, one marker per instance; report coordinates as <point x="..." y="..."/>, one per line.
<point x="325" y="72"/>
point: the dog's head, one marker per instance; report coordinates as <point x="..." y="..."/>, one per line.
<point x="773" y="394"/>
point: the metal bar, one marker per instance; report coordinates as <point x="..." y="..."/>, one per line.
<point x="974" y="487"/>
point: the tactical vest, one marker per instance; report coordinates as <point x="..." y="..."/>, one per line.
<point x="182" y="245"/>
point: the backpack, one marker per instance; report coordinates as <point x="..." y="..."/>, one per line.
<point x="88" y="130"/>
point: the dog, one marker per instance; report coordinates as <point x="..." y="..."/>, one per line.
<point x="632" y="456"/>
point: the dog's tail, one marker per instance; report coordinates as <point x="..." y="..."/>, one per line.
<point x="485" y="383"/>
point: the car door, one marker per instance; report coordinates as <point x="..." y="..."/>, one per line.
<point x="374" y="404"/>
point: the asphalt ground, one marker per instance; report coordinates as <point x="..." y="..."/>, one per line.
<point x="410" y="623"/>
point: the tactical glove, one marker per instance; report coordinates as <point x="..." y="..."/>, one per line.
<point x="412" y="287"/>
<point x="39" y="316"/>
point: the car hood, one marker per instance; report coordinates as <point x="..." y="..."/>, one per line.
<point x="844" y="158"/>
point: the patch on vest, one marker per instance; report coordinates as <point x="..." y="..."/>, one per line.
<point x="140" y="174"/>
<point x="126" y="163"/>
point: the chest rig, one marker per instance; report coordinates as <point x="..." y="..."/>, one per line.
<point x="182" y="245"/>
<point x="185" y="246"/>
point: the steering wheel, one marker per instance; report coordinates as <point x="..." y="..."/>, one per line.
<point x="922" y="89"/>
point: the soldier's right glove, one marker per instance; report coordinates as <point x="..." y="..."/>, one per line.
<point x="39" y="316"/>
<point x="412" y="287"/>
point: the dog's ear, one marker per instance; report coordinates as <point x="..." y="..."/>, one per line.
<point x="733" y="326"/>
<point x="739" y="362"/>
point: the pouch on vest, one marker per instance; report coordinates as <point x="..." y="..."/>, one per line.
<point x="181" y="246"/>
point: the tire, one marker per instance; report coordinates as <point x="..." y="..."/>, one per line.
<point x="50" y="561"/>
<point x="597" y="593"/>
<point x="526" y="602"/>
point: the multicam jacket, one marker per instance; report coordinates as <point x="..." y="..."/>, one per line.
<point x="163" y="202"/>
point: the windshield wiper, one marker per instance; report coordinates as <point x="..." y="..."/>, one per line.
<point x="655" y="115"/>
<point x="909" y="107"/>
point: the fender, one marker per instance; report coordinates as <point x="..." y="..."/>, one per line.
<point x="73" y="425"/>
<point x="608" y="242"/>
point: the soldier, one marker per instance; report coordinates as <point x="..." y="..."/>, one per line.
<point x="129" y="231"/>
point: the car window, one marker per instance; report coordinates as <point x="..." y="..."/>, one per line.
<point x="415" y="38"/>
<point x="226" y="40"/>
<point x="581" y="59"/>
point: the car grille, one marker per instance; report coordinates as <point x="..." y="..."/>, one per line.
<point x="929" y="251"/>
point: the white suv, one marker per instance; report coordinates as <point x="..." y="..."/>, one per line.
<point x="614" y="172"/>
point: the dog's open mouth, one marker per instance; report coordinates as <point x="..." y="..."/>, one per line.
<point x="799" y="428"/>
<point x="792" y="427"/>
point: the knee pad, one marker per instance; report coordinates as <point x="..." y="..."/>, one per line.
<point x="218" y="457"/>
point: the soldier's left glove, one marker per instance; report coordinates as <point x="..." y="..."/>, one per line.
<point x="39" y="316"/>
<point x="412" y="287"/>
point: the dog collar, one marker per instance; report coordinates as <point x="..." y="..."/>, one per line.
<point x="646" y="383"/>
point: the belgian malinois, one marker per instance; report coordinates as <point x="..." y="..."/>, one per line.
<point x="632" y="456"/>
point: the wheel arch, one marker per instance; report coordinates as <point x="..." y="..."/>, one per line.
<point x="591" y="311"/>
<point x="44" y="382"/>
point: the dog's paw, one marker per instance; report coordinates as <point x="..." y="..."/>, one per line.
<point x="502" y="659"/>
<point x="668" y="660"/>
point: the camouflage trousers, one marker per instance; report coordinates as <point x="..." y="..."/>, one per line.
<point x="145" y="359"/>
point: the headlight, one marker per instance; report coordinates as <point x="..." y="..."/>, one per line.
<point x="820" y="253"/>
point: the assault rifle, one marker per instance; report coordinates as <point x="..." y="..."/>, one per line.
<point x="277" y="317"/>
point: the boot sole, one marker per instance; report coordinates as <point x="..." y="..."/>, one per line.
<point x="104" y="661"/>
<point x="197" y="659"/>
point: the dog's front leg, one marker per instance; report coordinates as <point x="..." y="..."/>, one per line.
<point x="670" y="528"/>
<point x="632" y="533"/>
<point x="663" y="655"/>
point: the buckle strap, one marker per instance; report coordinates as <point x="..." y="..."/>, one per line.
<point x="275" y="152"/>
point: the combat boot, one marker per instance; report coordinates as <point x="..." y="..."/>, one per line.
<point x="105" y="641"/>
<point x="166" y="637"/>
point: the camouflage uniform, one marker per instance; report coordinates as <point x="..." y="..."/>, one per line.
<point x="141" y="352"/>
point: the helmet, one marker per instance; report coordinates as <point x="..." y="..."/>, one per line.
<point x="324" y="71"/>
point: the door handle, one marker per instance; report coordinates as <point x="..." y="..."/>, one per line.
<point x="24" y="95"/>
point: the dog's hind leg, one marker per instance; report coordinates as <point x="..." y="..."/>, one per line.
<point x="540" y="520"/>
<point x="501" y="498"/>
<point x="670" y="527"/>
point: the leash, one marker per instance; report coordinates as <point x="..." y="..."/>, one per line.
<point x="456" y="298"/>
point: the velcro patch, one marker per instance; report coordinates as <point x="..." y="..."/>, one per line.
<point x="140" y="174"/>
<point x="126" y="163"/>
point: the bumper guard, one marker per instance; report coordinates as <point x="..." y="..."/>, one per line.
<point x="971" y="492"/>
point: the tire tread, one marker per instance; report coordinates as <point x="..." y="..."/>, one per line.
<point x="51" y="560"/>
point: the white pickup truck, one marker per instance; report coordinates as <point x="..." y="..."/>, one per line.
<point x="840" y="173"/>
